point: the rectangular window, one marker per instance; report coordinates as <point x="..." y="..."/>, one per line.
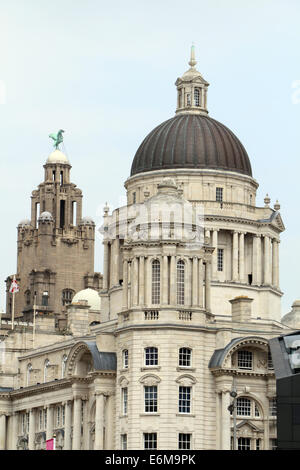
<point x="63" y="415"/>
<point x="41" y="420"/>
<point x="45" y="419"/>
<point x="184" y="441"/>
<point x="23" y="424"/>
<point x="258" y="444"/>
<point x="58" y="416"/>
<point x="272" y="407"/>
<point x="219" y="194"/>
<point x="124" y="400"/>
<point x="151" y="356"/>
<point x="270" y="361"/>
<point x="133" y="198"/>
<point x="185" y="357"/>
<point x="150" y="399"/>
<point x="124" y="441"/>
<point x="220" y="259"/>
<point x="245" y="360"/>
<point x="27" y="422"/>
<point x="244" y="443"/>
<point x="184" y="399"/>
<point x="150" y="440"/>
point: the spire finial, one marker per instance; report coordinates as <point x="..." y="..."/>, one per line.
<point x="192" y="61"/>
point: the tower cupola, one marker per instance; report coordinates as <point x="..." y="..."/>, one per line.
<point x="191" y="90"/>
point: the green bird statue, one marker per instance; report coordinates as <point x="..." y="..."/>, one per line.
<point x="58" y="138"/>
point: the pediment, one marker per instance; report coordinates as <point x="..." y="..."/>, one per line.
<point x="248" y="425"/>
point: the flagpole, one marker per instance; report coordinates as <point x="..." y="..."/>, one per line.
<point x="34" y="308"/>
<point x="13" y="306"/>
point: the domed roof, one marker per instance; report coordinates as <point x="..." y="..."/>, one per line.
<point x="46" y="216"/>
<point x="87" y="221"/>
<point x="25" y="223"/>
<point x="292" y="319"/>
<point x="191" y="141"/>
<point x="57" y="157"/>
<point x="91" y="296"/>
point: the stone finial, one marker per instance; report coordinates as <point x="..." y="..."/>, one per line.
<point x="106" y="209"/>
<point x="267" y="200"/>
<point x="276" y="205"/>
<point x="192" y="61"/>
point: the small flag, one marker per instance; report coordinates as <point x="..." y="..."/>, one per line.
<point x="14" y="287"/>
<point x="50" y="444"/>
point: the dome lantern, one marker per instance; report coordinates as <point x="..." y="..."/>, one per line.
<point x="192" y="90"/>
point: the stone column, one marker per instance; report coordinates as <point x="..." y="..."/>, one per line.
<point x="125" y="284"/>
<point x="135" y="280"/>
<point x="105" y="265"/>
<point x="99" y="419"/>
<point x="2" y="431"/>
<point x="68" y="426"/>
<point x="165" y="290"/>
<point x="14" y="433"/>
<point x="195" y="282"/>
<point x="142" y="281"/>
<point x="235" y="254"/>
<point x="31" y="437"/>
<point x="242" y="257"/>
<point x="77" y="424"/>
<point x="50" y="419"/>
<point x="256" y="260"/>
<point x="85" y="444"/>
<point x="225" y="421"/>
<point x="267" y="261"/>
<point x="173" y="283"/>
<point x="275" y="263"/>
<point x="188" y="283"/>
<point x="115" y="262"/>
<point x="200" y="282"/>
<point x="110" y="421"/>
<point x="215" y="254"/>
<point x="207" y="286"/>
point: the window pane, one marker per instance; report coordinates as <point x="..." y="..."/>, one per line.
<point x="220" y="259"/>
<point x="150" y="440"/>
<point x="184" y="399"/>
<point x="151" y="356"/>
<point x="219" y="194"/>
<point x="180" y="282"/>
<point x="185" y="357"/>
<point x="155" y="282"/>
<point x="243" y="407"/>
<point x="150" y="399"/>
<point x="243" y="443"/>
<point x="245" y="359"/>
<point x="184" y="441"/>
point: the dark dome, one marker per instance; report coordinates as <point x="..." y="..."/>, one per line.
<point x="191" y="141"/>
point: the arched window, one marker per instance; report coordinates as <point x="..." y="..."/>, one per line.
<point x="180" y="282"/>
<point x="27" y="297"/>
<point x="245" y="359"/>
<point x="247" y="408"/>
<point x="125" y="358"/>
<point x="155" y="282"/>
<point x="63" y="365"/>
<point x="46" y="365"/>
<point x="29" y="370"/>
<point x="197" y="97"/>
<point x="185" y="357"/>
<point x="67" y="296"/>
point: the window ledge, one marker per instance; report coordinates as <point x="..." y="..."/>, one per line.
<point x="190" y="369"/>
<point x="191" y="415"/>
<point x="125" y="369"/>
<point x="150" y="368"/>
<point x="149" y="414"/>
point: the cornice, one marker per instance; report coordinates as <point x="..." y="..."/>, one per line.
<point x="218" y="372"/>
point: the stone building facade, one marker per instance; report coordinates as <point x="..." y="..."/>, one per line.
<point x="189" y="298"/>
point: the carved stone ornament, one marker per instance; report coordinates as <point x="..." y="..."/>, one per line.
<point x="150" y="380"/>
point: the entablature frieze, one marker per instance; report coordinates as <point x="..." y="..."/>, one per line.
<point x="218" y="372"/>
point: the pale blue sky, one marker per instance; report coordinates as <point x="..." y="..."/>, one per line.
<point x="105" y="72"/>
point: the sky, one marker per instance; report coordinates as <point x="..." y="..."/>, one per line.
<point x="105" y="73"/>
